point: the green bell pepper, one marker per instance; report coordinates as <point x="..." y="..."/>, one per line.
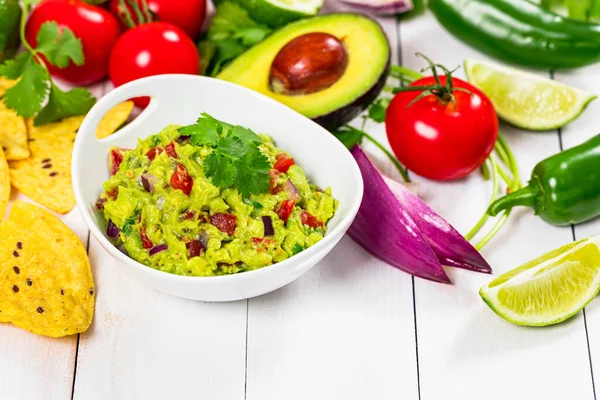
<point x="564" y="188"/>
<point x="10" y="16"/>
<point x="520" y="32"/>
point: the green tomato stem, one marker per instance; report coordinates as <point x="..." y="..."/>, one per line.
<point x="399" y="72"/>
<point x="24" y="16"/>
<point x="495" y="185"/>
<point x="393" y="159"/>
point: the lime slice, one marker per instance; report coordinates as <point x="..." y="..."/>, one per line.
<point x="549" y="289"/>
<point x="526" y="100"/>
<point x="276" y="13"/>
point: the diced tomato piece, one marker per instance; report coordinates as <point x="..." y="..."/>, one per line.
<point x="182" y="180"/>
<point x="224" y="222"/>
<point x="170" y="149"/>
<point x="194" y="248"/>
<point x="189" y="214"/>
<point x="273" y="177"/>
<point x="146" y="242"/>
<point x="259" y="240"/>
<point x="310" y="220"/>
<point x="115" y="160"/>
<point x="285" y="209"/>
<point x="283" y="163"/>
<point x="113" y="194"/>
<point x="153" y="152"/>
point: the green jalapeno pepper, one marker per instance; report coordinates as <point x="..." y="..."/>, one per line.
<point x="564" y="188"/>
<point x="520" y="32"/>
<point x="10" y="15"/>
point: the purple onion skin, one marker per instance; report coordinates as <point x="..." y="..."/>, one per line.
<point x="158" y="249"/>
<point x="112" y="230"/>
<point x="384" y="228"/>
<point x="292" y="190"/>
<point x="148" y="181"/>
<point x="450" y="247"/>
<point x="392" y="8"/>
<point x="203" y="239"/>
<point x="268" y="224"/>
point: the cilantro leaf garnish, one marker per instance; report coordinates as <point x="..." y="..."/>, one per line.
<point x="59" y="47"/>
<point x="236" y="159"/>
<point x="378" y="108"/>
<point x="297" y="249"/>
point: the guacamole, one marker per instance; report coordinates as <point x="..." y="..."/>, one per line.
<point x="163" y="211"/>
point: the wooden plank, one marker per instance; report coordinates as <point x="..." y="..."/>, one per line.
<point x="582" y="129"/>
<point x="343" y="331"/>
<point x="465" y="350"/>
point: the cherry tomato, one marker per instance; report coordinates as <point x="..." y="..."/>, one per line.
<point x="182" y="180"/>
<point x="97" y="28"/>
<point x="438" y="139"/>
<point x="170" y="150"/>
<point x="285" y="209"/>
<point x="283" y="162"/>
<point x="273" y="177"/>
<point x="185" y="14"/>
<point x="152" y="49"/>
<point x="310" y="220"/>
<point x="224" y="222"/>
<point x="153" y="152"/>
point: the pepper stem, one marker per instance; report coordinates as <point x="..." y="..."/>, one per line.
<point x="522" y="197"/>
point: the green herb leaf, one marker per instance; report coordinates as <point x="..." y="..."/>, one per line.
<point x="59" y="47"/>
<point x="64" y="104"/>
<point x="297" y="249"/>
<point x="378" y="109"/>
<point x="27" y="95"/>
<point x="203" y="132"/>
<point x="12" y="69"/>
<point x="206" y="49"/>
<point x="251" y="36"/>
<point x="231" y="147"/>
<point x="220" y="170"/>
<point x="253" y="203"/>
<point x="245" y="135"/>
<point x="348" y="136"/>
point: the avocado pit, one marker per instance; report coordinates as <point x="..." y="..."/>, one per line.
<point x="307" y="64"/>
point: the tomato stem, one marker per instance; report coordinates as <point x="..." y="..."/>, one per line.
<point x="125" y="15"/>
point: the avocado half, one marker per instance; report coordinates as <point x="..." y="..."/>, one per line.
<point x="368" y="65"/>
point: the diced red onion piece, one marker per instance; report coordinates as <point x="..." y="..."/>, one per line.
<point x="183" y="139"/>
<point x="385" y="229"/>
<point x="268" y="224"/>
<point x="203" y="239"/>
<point x="158" y="249"/>
<point x="292" y="190"/>
<point x="149" y="182"/>
<point x="381" y="7"/>
<point x="112" y="230"/>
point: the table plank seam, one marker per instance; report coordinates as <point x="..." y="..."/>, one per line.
<point x="246" y="356"/>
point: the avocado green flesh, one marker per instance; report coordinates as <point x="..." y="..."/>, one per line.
<point x="368" y="58"/>
<point x="162" y="214"/>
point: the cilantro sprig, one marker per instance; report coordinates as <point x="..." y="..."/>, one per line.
<point x="236" y="159"/>
<point x="59" y="47"/>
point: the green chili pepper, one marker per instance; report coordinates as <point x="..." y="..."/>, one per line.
<point x="10" y="15"/>
<point x="520" y="32"/>
<point x="564" y="188"/>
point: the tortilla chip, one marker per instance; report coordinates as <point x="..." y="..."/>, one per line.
<point x="4" y="185"/>
<point x="13" y="134"/>
<point x="45" y="177"/>
<point x="114" y="119"/>
<point x="46" y="284"/>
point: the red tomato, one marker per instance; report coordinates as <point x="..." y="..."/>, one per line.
<point x="285" y="209"/>
<point x="283" y="162"/>
<point x="310" y="220"/>
<point x="153" y="152"/>
<point x="259" y="240"/>
<point x="437" y="139"/>
<point x="224" y="222"/>
<point x="170" y="150"/>
<point x="146" y="242"/>
<point x="182" y="180"/>
<point x="115" y="159"/>
<point x="152" y="49"/>
<point x="185" y="14"/>
<point x="97" y="28"/>
<point x="273" y="177"/>
<point x="194" y="248"/>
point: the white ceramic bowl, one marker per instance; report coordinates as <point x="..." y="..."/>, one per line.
<point x="180" y="99"/>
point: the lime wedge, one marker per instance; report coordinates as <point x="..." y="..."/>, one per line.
<point x="526" y="100"/>
<point x="276" y="13"/>
<point x="549" y="289"/>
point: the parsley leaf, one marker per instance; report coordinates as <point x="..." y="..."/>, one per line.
<point x="245" y="135"/>
<point x="252" y="173"/>
<point x="27" y="95"/>
<point x="377" y="109"/>
<point x="231" y="147"/>
<point x="64" y="104"/>
<point x="59" y="47"/>
<point x="203" y="132"/>
<point x="349" y="136"/>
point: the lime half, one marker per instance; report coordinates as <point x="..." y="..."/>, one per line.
<point x="549" y="289"/>
<point x="526" y="100"/>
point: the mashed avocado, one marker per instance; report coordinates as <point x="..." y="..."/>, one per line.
<point x="164" y="212"/>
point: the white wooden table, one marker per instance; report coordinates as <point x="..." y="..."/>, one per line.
<point x="346" y="330"/>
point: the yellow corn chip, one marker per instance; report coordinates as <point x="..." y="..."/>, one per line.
<point x="114" y="119"/>
<point x="4" y="185"/>
<point x="6" y="84"/>
<point x="45" y="177"/>
<point x="13" y="134"/>
<point x="46" y="284"/>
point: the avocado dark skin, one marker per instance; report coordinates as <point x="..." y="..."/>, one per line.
<point x="343" y="115"/>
